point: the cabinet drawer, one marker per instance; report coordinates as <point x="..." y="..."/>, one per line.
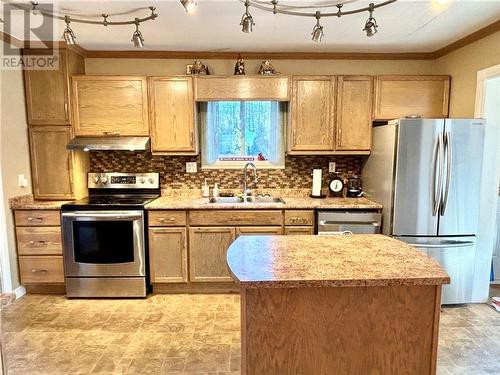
<point x="167" y="218"/>
<point x="258" y="231"/>
<point x="299" y="230"/>
<point x="299" y="217"/>
<point x="41" y="269"/>
<point x="235" y="217"/>
<point x="38" y="218"/>
<point x="39" y="241"/>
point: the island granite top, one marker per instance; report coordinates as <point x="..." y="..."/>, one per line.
<point x="330" y="261"/>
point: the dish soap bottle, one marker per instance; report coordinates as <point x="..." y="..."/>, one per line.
<point x="215" y="191"/>
<point x="205" y="190"/>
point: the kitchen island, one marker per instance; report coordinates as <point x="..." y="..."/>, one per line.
<point x="361" y="304"/>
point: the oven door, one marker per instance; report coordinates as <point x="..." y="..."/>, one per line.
<point x="103" y="243"/>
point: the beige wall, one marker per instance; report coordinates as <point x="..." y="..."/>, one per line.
<point x="177" y="66"/>
<point x="14" y="152"/>
<point x="463" y="65"/>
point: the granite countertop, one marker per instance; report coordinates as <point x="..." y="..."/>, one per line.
<point x="27" y="202"/>
<point x="185" y="203"/>
<point x="330" y="261"/>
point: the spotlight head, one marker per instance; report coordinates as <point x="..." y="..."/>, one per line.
<point x="137" y="37"/>
<point x="371" y="24"/>
<point x="189" y="5"/>
<point x="68" y="34"/>
<point x="317" y="33"/>
<point x="247" y="22"/>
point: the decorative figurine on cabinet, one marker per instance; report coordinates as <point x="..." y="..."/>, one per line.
<point x="239" y="68"/>
<point x="198" y="68"/>
<point x="267" y="68"/>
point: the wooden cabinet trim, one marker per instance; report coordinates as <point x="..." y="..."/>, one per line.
<point x="293" y="230"/>
<point x="257" y="230"/>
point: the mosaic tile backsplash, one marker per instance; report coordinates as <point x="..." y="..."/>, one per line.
<point x="297" y="173"/>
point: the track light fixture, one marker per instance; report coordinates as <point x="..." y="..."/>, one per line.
<point x="137" y="38"/>
<point x="34" y="11"/>
<point x="68" y="34"/>
<point x="189" y="5"/>
<point x="371" y="24"/>
<point x="317" y="33"/>
<point x="247" y="22"/>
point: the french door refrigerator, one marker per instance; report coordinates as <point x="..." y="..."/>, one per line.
<point x="426" y="173"/>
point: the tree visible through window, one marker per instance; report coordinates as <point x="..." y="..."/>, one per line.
<point x="235" y="132"/>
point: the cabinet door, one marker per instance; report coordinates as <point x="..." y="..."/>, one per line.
<point x="168" y="255"/>
<point x="51" y="162"/>
<point x="172" y="115"/>
<point x="110" y="105"/>
<point x="207" y="253"/>
<point x="354" y="113"/>
<point x="313" y="104"/>
<point x="47" y="98"/>
<point x="400" y="96"/>
<point x="258" y="231"/>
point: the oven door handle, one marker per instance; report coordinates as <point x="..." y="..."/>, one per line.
<point x="116" y="216"/>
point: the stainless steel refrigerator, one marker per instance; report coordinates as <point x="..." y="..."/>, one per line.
<point x="426" y="173"/>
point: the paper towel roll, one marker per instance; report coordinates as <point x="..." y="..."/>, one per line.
<point x="316" y="188"/>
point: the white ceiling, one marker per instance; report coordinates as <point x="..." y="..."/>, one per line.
<point x="405" y="26"/>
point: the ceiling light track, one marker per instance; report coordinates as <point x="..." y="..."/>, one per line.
<point x="273" y="6"/>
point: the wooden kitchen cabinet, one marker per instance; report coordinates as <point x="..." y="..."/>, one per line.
<point x="312" y="125"/>
<point x="289" y="230"/>
<point x="354" y="113"/>
<point x="168" y="255"/>
<point x="173" y="129"/>
<point x="41" y="269"/>
<point x="110" y="106"/>
<point x="48" y="99"/>
<point x="57" y="173"/>
<point x="258" y="231"/>
<point x="398" y="96"/>
<point x="207" y="251"/>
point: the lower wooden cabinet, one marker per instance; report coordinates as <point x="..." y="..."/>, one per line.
<point x="207" y="250"/>
<point x="168" y="255"/>
<point x="41" y="269"/>
<point x="299" y="230"/>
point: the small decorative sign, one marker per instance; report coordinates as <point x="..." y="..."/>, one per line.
<point x="236" y="158"/>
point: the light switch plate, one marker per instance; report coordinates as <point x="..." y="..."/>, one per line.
<point x="191" y="167"/>
<point x="331" y="167"/>
<point x="22" y="181"/>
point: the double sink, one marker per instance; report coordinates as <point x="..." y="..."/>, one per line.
<point x="254" y="199"/>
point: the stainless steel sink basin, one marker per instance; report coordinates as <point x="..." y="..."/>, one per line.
<point x="256" y="199"/>
<point x="227" y="200"/>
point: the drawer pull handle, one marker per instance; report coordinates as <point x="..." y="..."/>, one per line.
<point x="111" y="133"/>
<point x="39" y="243"/>
<point x="166" y="219"/>
<point x="35" y="219"/>
<point x="39" y="271"/>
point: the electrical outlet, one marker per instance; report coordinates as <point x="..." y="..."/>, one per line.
<point x="191" y="167"/>
<point x="22" y="181"/>
<point x="331" y="167"/>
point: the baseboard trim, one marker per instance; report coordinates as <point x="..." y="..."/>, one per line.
<point x="19" y="291"/>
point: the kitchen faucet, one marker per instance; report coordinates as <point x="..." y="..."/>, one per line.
<point x="247" y="191"/>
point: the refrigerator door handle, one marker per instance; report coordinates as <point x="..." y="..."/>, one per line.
<point x="438" y="174"/>
<point x="444" y="245"/>
<point x="447" y="147"/>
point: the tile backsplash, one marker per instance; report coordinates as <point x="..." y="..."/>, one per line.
<point x="297" y="173"/>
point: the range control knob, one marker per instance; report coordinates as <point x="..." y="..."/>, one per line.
<point x="104" y="180"/>
<point x="95" y="179"/>
<point x="151" y="180"/>
<point x="142" y="180"/>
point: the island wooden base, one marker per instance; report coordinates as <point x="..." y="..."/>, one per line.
<point x="345" y="330"/>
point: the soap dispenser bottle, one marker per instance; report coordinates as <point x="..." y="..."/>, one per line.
<point x="215" y="191"/>
<point x="205" y="190"/>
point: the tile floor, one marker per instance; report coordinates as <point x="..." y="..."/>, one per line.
<point x="186" y="334"/>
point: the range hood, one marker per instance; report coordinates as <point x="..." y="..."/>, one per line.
<point x="109" y="143"/>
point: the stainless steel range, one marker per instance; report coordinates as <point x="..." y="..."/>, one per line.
<point x="104" y="241"/>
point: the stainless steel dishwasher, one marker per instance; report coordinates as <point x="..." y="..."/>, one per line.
<point x="341" y="222"/>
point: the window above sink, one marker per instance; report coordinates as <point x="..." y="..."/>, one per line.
<point x="234" y="133"/>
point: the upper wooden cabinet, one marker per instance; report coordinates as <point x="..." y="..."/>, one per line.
<point x="313" y="105"/>
<point x="257" y="87"/>
<point x="48" y="101"/>
<point x="400" y="96"/>
<point x="57" y="172"/>
<point x="110" y="106"/>
<point x="354" y="112"/>
<point x="173" y="128"/>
